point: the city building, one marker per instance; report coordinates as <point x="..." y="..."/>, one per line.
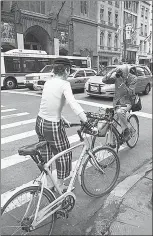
<point x="108" y="37"/>
<point x="136" y="46"/>
<point x="35" y="25"/>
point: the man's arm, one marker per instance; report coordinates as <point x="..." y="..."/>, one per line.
<point x="130" y="88"/>
<point x="75" y="106"/>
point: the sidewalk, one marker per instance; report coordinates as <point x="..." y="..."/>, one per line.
<point x="135" y="215"/>
<point x="126" y="210"/>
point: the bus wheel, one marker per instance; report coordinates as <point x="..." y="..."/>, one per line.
<point x="10" y="83"/>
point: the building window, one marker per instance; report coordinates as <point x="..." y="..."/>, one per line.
<point x="109" y="16"/>
<point x="102" y="38"/>
<point x="141" y="29"/>
<point x="84" y="7"/>
<point x="142" y="11"/>
<point x="145" y="30"/>
<point x="110" y="2"/>
<point x="2" y="5"/>
<point x="117" y="3"/>
<point x="146" y="14"/>
<point x="101" y="14"/>
<point x="37" y="6"/>
<point x="141" y="42"/>
<point x="131" y="6"/>
<point x="109" y="39"/>
<point x="116" y="41"/>
<point x="116" y="18"/>
<point x="145" y="46"/>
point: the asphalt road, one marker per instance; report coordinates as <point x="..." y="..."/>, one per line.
<point x="19" y="109"/>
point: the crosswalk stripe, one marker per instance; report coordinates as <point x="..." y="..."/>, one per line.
<point x="15" y="159"/>
<point x="139" y="113"/>
<point x="26" y="93"/>
<point x="15" y="115"/>
<point x="7" y="110"/>
<point x="16" y="137"/>
<point x="15" y="124"/>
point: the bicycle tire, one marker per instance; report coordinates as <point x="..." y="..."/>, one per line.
<point x="103" y="142"/>
<point x="91" y="175"/>
<point x="14" y="208"/>
<point x="137" y="123"/>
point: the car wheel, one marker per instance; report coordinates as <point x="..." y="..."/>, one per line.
<point x="147" y="89"/>
<point x="30" y="87"/>
<point x="10" y="83"/>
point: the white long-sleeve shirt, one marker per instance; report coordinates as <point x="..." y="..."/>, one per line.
<point x="55" y="94"/>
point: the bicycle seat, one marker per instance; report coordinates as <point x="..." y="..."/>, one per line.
<point x="31" y="149"/>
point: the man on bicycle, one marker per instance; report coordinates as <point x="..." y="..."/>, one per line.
<point x="125" y="83"/>
<point x="50" y="122"/>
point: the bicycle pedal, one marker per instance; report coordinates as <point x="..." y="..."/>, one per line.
<point x="62" y="214"/>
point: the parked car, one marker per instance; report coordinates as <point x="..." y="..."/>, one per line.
<point x="31" y="79"/>
<point x="78" y="77"/>
<point x="96" y="85"/>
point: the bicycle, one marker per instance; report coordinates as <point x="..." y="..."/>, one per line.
<point x="112" y="132"/>
<point x="39" y="204"/>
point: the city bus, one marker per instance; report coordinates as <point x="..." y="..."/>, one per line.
<point x="16" y="63"/>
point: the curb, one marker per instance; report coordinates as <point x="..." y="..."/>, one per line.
<point x="100" y="223"/>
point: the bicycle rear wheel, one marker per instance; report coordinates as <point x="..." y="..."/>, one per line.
<point x="134" y="131"/>
<point x="98" y="180"/>
<point x="13" y="219"/>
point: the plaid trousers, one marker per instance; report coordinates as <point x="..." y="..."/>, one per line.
<point x="57" y="141"/>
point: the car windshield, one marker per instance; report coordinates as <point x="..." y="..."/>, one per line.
<point x="106" y="70"/>
<point x="72" y="71"/>
<point x="47" y="69"/>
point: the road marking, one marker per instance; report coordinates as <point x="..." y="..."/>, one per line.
<point x="139" y="113"/>
<point x="2" y="106"/>
<point x="15" y="115"/>
<point x="5" y="196"/>
<point x="26" y="93"/>
<point x="16" y="137"/>
<point x="15" y="124"/>
<point x="7" y="110"/>
<point x="15" y="159"/>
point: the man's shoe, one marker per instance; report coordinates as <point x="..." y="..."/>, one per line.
<point x="126" y="134"/>
<point x="112" y="145"/>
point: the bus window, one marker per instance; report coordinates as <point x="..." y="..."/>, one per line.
<point x="12" y="65"/>
<point x="42" y="62"/>
<point x="30" y="65"/>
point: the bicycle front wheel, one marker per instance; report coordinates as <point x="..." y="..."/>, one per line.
<point x="111" y="138"/>
<point x="99" y="174"/>
<point x="134" y="131"/>
<point x="18" y="212"/>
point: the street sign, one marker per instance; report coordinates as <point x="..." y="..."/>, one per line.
<point x="128" y="30"/>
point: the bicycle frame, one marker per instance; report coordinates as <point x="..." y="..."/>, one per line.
<point x="50" y="209"/>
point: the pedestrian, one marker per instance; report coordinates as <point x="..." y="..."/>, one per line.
<point x="50" y="124"/>
<point x="125" y="83"/>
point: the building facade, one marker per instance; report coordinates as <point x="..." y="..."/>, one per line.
<point x="35" y="24"/>
<point x="136" y="48"/>
<point x="108" y="38"/>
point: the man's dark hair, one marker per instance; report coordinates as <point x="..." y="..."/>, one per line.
<point x="60" y="64"/>
<point x="133" y="71"/>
